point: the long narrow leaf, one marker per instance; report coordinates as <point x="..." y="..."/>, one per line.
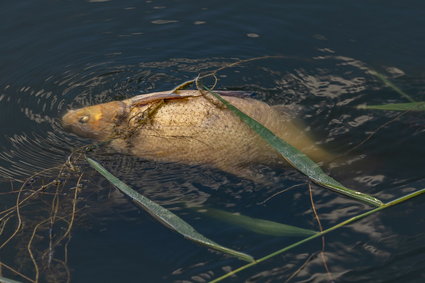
<point x="411" y="106"/>
<point x="7" y="280"/>
<point x="165" y="216"/>
<point x="296" y="158"/>
<point x="391" y="85"/>
<point x="260" y="226"/>
<point x="319" y="234"/>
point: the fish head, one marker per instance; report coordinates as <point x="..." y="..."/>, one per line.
<point x="96" y="122"/>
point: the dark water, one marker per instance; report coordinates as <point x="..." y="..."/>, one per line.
<point x="56" y="55"/>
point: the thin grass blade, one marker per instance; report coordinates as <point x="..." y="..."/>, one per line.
<point x="165" y="216"/>
<point x="411" y="106"/>
<point x="296" y="158"/>
<point x="391" y="85"/>
<point x="319" y="234"/>
<point x="260" y="226"/>
<point x="7" y="280"/>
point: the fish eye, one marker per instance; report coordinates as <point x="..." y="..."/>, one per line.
<point x="84" y="119"/>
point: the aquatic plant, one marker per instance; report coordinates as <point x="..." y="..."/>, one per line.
<point x="62" y="186"/>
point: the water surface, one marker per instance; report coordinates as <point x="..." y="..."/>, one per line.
<point x="57" y="55"/>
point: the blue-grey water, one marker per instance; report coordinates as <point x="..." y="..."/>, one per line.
<point x="57" y="54"/>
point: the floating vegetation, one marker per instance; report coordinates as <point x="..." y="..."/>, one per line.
<point x="391" y="85"/>
<point x="319" y="234"/>
<point x="7" y="280"/>
<point x="55" y="193"/>
<point x="165" y="216"/>
<point x="260" y="226"/>
<point x="296" y="158"/>
<point x="410" y="106"/>
<point x="41" y="241"/>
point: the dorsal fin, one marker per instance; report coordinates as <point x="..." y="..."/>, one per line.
<point x="235" y="93"/>
<point x="144" y="99"/>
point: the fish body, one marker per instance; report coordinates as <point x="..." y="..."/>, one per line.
<point x="189" y="127"/>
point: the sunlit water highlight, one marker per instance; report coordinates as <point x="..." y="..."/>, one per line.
<point x="68" y="55"/>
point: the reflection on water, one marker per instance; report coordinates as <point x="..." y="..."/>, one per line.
<point x="313" y="85"/>
<point x="33" y="148"/>
<point x="44" y="144"/>
<point x="63" y="55"/>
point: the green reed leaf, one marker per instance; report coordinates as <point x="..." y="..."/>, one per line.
<point x="260" y="226"/>
<point x="295" y="157"/>
<point x="391" y="85"/>
<point x="324" y="232"/>
<point x="7" y="280"/>
<point x="411" y="106"/>
<point x="165" y="216"/>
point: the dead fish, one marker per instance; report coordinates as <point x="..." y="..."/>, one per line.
<point x="188" y="126"/>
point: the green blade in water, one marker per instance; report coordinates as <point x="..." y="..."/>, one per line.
<point x="165" y="216"/>
<point x="260" y="226"/>
<point x="7" y="280"/>
<point x="391" y="85"/>
<point x="296" y="158"/>
<point x="411" y="106"/>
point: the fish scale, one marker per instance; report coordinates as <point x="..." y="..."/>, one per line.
<point x="188" y="128"/>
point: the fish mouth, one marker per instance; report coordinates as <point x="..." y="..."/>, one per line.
<point x="69" y="123"/>
<point x="67" y="127"/>
<point x="66" y="120"/>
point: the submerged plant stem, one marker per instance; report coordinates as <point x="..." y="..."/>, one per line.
<point x="322" y="252"/>
<point x="319" y="234"/>
<point x="2" y="264"/>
